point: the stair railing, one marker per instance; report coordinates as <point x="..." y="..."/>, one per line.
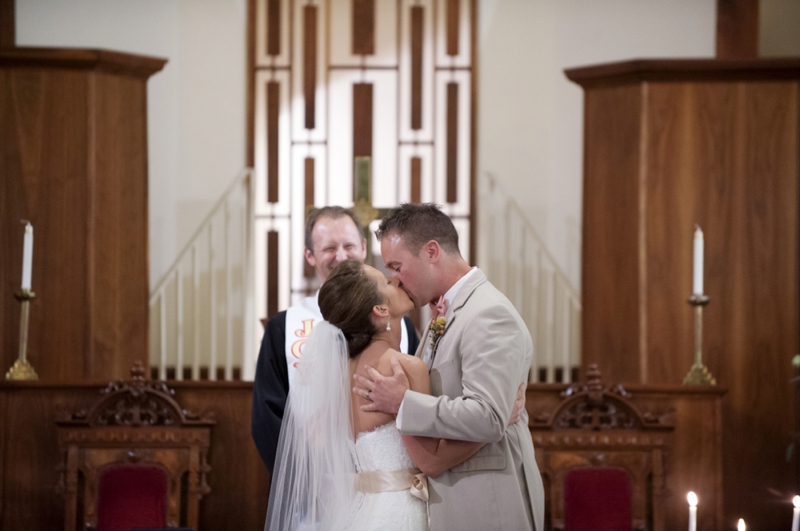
<point x="201" y="311"/>
<point x="517" y="261"/>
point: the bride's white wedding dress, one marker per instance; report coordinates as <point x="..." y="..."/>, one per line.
<point x="323" y="479"/>
<point x="381" y="456"/>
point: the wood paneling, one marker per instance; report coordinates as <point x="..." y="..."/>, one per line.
<point x="396" y="54"/>
<point x="416" y="180"/>
<point x="238" y="478"/>
<point x="363" y="27"/>
<point x="240" y="482"/>
<point x="250" y="148"/>
<point x="362" y="119"/>
<point x="8" y="27"/>
<point x="73" y="124"/>
<point x="308" y="271"/>
<point x="272" y="273"/>
<point x="737" y="29"/>
<point x="719" y="149"/>
<point x="452" y="142"/>
<point x="273" y="116"/>
<point x="273" y="27"/>
<point x="453" y="24"/>
<point x="612" y="121"/>
<point x="309" y="62"/>
<point x="417" y="43"/>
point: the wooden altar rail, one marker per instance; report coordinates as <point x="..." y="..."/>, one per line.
<point x="240" y="481"/>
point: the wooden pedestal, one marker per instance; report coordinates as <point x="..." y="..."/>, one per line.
<point x="73" y="157"/>
<point x="671" y="143"/>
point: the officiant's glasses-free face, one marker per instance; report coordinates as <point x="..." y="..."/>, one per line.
<point x="334" y="241"/>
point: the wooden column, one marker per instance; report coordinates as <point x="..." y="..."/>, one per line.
<point x="73" y="130"/>
<point x="8" y="28"/>
<point x="671" y="143"/>
<point x="737" y="29"/>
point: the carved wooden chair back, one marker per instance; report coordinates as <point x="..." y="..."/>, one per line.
<point x="133" y="459"/>
<point x="599" y="430"/>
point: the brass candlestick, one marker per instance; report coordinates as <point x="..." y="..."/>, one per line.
<point x="22" y="370"/>
<point x="698" y="374"/>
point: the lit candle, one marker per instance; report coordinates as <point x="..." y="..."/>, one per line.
<point x="27" y="256"/>
<point x="692" y="499"/>
<point x="796" y="517"/>
<point x="741" y="525"/>
<point x="697" y="270"/>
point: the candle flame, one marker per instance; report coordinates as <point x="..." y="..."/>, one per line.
<point x="698" y="232"/>
<point x="796" y="501"/>
<point x="692" y="499"/>
<point x="741" y="525"/>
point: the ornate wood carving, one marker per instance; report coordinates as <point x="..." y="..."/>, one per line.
<point x="134" y="422"/>
<point x="137" y="402"/>
<point x="599" y="426"/>
<point x="593" y="407"/>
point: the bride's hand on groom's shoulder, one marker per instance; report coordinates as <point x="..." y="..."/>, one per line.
<point x="384" y="393"/>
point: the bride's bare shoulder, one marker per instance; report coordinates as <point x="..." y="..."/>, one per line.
<point x="415" y="369"/>
<point x="408" y="362"/>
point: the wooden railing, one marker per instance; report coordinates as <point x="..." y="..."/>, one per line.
<point x="517" y="262"/>
<point x="201" y="309"/>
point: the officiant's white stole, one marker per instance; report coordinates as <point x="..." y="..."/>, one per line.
<point x="300" y="320"/>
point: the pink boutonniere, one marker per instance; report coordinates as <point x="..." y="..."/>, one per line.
<point x="438" y="322"/>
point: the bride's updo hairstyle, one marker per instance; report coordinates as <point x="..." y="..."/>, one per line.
<point x="346" y="300"/>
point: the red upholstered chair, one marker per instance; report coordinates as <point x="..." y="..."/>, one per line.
<point x="131" y="496"/>
<point x="597" y="499"/>
<point x="133" y="459"/>
<point x="602" y="460"/>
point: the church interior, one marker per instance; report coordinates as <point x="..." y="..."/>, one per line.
<point x="625" y="171"/>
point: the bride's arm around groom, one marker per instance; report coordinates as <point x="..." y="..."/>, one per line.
<point x="477" y="361"/>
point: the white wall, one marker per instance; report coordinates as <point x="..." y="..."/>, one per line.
<point x="196" y="105"/>
<point x="530" y="117"/>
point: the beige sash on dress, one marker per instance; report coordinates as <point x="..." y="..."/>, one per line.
<point x="411" y="479"/>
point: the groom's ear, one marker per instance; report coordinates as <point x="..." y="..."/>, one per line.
<point x="432" y="251"/>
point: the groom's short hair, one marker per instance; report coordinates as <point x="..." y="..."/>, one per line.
<point x="419" y="223"/>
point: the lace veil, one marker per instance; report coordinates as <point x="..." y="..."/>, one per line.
<point x="313" y="485"/>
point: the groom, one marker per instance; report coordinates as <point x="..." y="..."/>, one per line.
<point x="476" y="364"/>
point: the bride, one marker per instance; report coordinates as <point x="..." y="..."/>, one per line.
<point x="339" y="467"/>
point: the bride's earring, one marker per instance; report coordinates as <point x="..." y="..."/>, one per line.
<point x="388" y="325"/>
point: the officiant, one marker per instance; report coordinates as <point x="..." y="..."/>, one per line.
<point x="332" y="234"/>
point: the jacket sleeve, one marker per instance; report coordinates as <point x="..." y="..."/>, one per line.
<point x="270" y="390"/>
<point x="493" y="349"/>
<point x="413" y="338"/>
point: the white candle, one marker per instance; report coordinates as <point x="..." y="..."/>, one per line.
<point x="27" y="256"/>
<point x="697" y="270"/>
<point x="741" y="525"/>
<point x="692" y="499"/>
<point x="796" y="516"/>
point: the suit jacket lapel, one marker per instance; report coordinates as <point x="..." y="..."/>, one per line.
<point x="459" y="301"/>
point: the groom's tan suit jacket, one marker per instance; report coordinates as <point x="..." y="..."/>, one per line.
<point x="483" y="356"/>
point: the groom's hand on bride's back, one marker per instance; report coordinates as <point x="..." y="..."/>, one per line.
<point x="384" y="393"/>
